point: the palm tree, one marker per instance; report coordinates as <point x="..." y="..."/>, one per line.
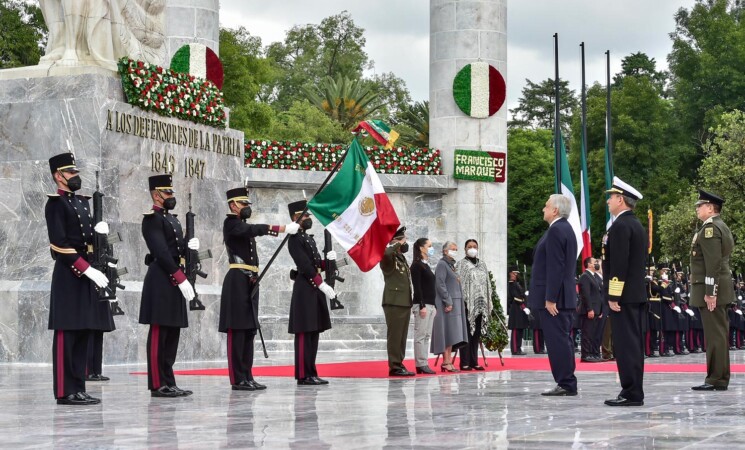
<point x="415" y="121"/>
<point x="346" y="101"/>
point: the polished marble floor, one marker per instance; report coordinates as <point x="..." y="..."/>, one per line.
<point x="473" y="410"/>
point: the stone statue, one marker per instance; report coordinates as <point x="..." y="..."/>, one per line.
<point x="99" y="32"/>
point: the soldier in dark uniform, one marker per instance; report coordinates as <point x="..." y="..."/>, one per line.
<point x="239" y="311"/>
<point x="711" y="287"/>
<point x="309" y="311"/>
<point x="735" y="324"/>
<point x="685" y="315"/>
<point x="670" y="317"/>
<point x="652" y="333"/>
<point x="695" y="335"/>
<point x="624" y="254"/>
<point x="539" y="344"/>
<point x="165" y="290"/>
<point x="74" y="307"/>
<point x="397" y="302"/>
<point x="516" y="307"/>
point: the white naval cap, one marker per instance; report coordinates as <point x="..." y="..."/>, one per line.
<point x="623" y="188"/>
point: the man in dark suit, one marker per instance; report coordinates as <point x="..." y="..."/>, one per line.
<point x="624" y="257"/>
<point x="553" y="292"/>
<point x="590" y="311"/>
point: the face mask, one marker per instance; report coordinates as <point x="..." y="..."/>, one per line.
<point x="404" y="248"/>
<point x="74" y="183"/>
<point x="664" y="276"/>
<point x="452" y="253"/>
<point x="472" y="252"/>
<point x="245" y="213"/>
<point x="306" y="224"/>
<point x="169" y="203"/>
<point x="431" y="251"/>
<point x="597" y="266"/>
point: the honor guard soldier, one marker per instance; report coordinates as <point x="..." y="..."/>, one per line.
<point x="309" y="311"/>
<point x="519" y="313"/>
<point x="711" y="287"/>
<point x="239" y="310"/>
<point x="397" y="302"/>
<point x="670" y="314"/>
<point x="165" y="290"/>
<point x="653" y="331"/>
<point x="74" y="306"/>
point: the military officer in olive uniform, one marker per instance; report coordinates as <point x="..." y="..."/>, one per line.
<point x="519" y="313"/>
<point x="165" y="290"/>
<point x="711" y="288"/>
<point x="309" y="310"/>
<point x="239" y="310"/>
<point x="397" y="302"/>
<point x="74" y="307"/>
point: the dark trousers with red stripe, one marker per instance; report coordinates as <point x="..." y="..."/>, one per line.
<point x="162" y="345"/>
<point x="69" y="352"/>
<point x="240" y="355"/>
<point x="695" y="339"/>
<point x="539" y="345"/>
<point x="516" y="340"/>
<point x="651" y="342"/>
<point x="95" y="353"/>
<point x="306" y="349"/>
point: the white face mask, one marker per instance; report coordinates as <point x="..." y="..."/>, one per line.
<point x="472" y="252"/>
<point x="452" y="253"/>
<point x="663" y="277"/>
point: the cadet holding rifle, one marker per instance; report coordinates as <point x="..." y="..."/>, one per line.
<point x="166" y="289"/>
<point x="239" y="303"/>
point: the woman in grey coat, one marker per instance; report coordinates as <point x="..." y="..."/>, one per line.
<point x="450" y="329"/>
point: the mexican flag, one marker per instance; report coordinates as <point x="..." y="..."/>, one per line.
<point x="584" y="196"/>
<point x="567" y="190"/>
<point x="355" y="209"/>
<point x="378" y="130"/>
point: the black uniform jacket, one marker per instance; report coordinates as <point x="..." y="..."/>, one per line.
<point x="74" y="303"/>
<point x="590" y="294"/>
<point x="309" y="309"/>
<point x="162" y="302"/>
<point x="517" y="319"/>
<point x="236" y="310"/>
<point x="624" y="258"/>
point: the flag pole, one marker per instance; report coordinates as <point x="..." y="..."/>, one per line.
<point x="557" y="122"/>
<point x="584" y="175"/>
<point x="584" y="105"/>
<point x="287" y="237"/>
<point x="608" y="124"/>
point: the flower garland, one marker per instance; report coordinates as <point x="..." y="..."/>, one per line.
<point x="479" y="90"/>
<point x="305" y="156"/>
<point x="172" y="94"/>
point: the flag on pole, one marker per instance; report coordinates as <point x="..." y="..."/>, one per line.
<point x="567" y="190"/>
<point x="355" y="209"/>
<point x="585" y="205"/>
<point x="378" y="130"/>
<point x="608" y="139"/>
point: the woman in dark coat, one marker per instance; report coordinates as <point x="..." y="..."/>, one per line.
<point x="450" y="330"/>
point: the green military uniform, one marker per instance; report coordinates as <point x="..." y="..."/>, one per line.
<point x="397" y="302"/>
<point x="710" y="275"/>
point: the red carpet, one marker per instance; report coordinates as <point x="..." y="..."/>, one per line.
<point x="379" y="369"/>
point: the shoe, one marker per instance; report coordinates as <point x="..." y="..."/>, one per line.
<point x="322" y="381"/>
<point x="448" y="368"/>
<point x="559" y="391"/>
<point x="181" y="392"/>
<point x="607" y="358"/>
<point x="244" y="385"/>
<point x="425" y="370"/>
<point x="310" y="381"/>
<point x="733" y="348"/>
<point x="259" y="386"/>
<point x="709" y="387"/>
<point x="540" y="353"/>
<point x="165" y="391"/>
<point x="685" y="352"/>
<point x="667" y="355"/>
<point x="478" y="368"/>
<point x="697" y="350"/>
<point x="620" y="401"/>
<point x="96" y="377"/>
<point x="400" y="373"/>
<point x="520" y="353"/>
<point x="653" y="355"/>
<point x="591" y="359"/>
<point x="466" y="368"/>
<point x="79" y="399"/>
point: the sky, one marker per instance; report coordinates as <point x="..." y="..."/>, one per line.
<point x="397" y="34"/>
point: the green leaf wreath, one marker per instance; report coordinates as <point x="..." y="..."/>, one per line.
<point x="496" y="336"/>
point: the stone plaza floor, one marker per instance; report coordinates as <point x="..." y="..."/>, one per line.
<point x="466" y="410"/>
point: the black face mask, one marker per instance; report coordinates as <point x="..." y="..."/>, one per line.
<point x="169" y="203"/>
<point x="245" y="213"/>
<point x="404" y="248"/>
<point x="307" y="224"/>
<point x="597" y="266"/>
<point x="74" y="183"/>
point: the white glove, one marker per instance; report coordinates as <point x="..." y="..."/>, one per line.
<point x="331" y="256"/>
<point x="677" y="309"/>
<point x="292" y="228"/>
<point x="677" y="290"/>
<point x="526" y="293"/>
<point x="193" y="244"/>
<point x="327" y="290"/>
<point x="739" y="297"/>
<point x="738" y="312"/>
<point x="648" y="277"/>
<point x="690" y="312"/>
<point x="187" y="290"/>
<point x="526" y="311"/>
<point x="101" y="228"/>
<point x="97" y="277"/>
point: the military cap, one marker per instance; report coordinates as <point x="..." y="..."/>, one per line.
<point x="400" y="233"/>
<point x="64" y="162"/>
<point x="298" y="207"/>
<point x="623" y="188"/>
<point x="239" y="195"/>
<point x="513" y="269"/>
<point x="161" y="183"/>
<point x="708" y="197"/>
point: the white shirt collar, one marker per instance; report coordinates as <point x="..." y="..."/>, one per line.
<point x="554" y="221"/>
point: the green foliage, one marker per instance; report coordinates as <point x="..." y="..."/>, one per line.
<point x="23" y="34"/>
<point x="305" y="122"/>
<point x="346" y="101"/>
<point x="640" y="65"/>
<point x="496" y="335"/>
<point x="536" y="106"/>
<point x="391" y="93"/>
<point x="413" y="124"/>
<point x="676" y="226"/>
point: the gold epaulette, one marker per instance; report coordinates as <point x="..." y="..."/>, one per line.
<point x="615" y="287"/>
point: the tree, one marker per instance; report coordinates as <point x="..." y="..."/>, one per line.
<point x="304" y="122"/>
<point x="391" y="92"/>
<point x="413" y="124"/>
<point x="24" y="34"/>
<point x="640" y="65"/>
<point x="536" y="106"/>
<point x="343" y="100"/>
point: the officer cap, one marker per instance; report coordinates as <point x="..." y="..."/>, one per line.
<point x="298" y="207"/>
<point x="239" y="195"/>
<point x="161" y="183"/>
<point x="400" y="233"/>
<point x="64" y="162"/>
<point x="512" y="269"/>
<point x="664" y="266"/>
<point x="623" y="188"/>
<point x="708" y="197"/>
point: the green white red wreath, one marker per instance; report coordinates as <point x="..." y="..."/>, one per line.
<point x="479" y="90"/>
<point x="200" y="61"/>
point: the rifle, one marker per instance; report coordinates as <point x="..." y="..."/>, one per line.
<point x="332" y="269"/>
<point x="103" y="256"/>
<point x="194" y="260"/>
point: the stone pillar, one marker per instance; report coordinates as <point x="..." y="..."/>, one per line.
<point x="192" y="21"/>
<point x="462" y="32"/>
